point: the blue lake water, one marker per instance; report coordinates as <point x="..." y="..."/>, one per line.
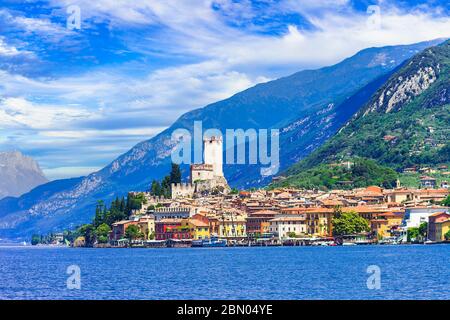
<point x="407" y="272"/>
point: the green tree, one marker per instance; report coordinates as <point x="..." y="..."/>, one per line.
<point x="413" y="234"/>
<point x="291" y="235"/>
<point x="447" y="235"/>
<point x="35" y="239"/>
<point x="234" y="191"/>
<point x="99" y="213"/>
<point x="423" y="230"/>
<point x="132" y="233"/>
<point x="349" y="223"/>
<point x="175" y="173"/>
<point x="102" y="233"/>
<point x="88" y="232"/>
<point x="446" y="202"/>
<point x="156" y="189"/>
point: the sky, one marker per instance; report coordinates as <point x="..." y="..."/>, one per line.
<point x="76" y="98"/>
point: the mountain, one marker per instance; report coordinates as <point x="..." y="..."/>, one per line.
<point x="405" y="123"/>
<point x="308" y="107"/>
<point x="18" y="174"/>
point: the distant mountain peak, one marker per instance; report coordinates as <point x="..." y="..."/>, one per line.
<point x="18" y="174"/>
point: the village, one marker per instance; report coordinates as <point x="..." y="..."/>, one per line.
<point x="196" y="217"/>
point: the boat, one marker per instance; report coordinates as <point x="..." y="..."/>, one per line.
<point x="210" y="243"/>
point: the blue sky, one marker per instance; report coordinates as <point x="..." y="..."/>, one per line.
<point x="76" y="99"/>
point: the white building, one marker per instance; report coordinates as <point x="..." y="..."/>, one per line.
<point x="282" y="226"/>
<point x="205" y="176"/>
<point x="415" y="216"/>
<point x="213" y="154"/>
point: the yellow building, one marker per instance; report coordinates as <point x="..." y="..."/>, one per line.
<point x="441" y="229"/>
<point x="147" y="226"/>
<point x="198" y="229"/>
<point x="383" y="223"/>
<point x="438" y="226"/>
<point x="232" y="226"/>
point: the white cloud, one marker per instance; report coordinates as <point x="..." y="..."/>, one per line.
<point x="11" y="51"/>
<point x="104" y="111"/>
<point x="16" y="113"/>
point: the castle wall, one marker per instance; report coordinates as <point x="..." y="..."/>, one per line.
<point x="182" y="190"/>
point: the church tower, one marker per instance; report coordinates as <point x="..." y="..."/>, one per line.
<point x="213" y="154"/>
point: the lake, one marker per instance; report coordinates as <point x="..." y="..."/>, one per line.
<point x="405" y="272"/>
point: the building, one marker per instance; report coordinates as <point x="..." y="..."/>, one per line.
<point x="207" y="176"/>
<point x="232" y="225"/>
<point x="318" y="220"/>
<point x="258" y="223"/>
<point x="147" y="226"/>
<point x="172" y="229"/>
<point x="199" y="229"/>
<point x="414" y="217"/>
<point x="171" y="213"/>
<point x="427" y="182"/>
<point x="288" y="226"/>
<point x="383" y="224"/>
<point x="119" y="229"/>
<point x="438" y="226"/>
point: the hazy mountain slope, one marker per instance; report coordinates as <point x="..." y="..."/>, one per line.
<point x="18" y="174"/>
<point x="407" y="122"/>
<point x="305" y="106"/>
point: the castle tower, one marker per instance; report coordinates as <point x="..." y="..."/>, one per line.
<point x="213" y="154"/>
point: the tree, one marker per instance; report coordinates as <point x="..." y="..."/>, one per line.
<point x="423" y="229"/>
<point x="156" y="189"/>
<point x="447" y="235"/>
<point x="88" y="232"/>
<point x="349" y="223"/>
<point x="446" y="202"/>
<point x="132" y="232"/>
<point x="99" y="213"/>
<point x="35" y="239"/>
<point x="175" y="174"/>
<point x="412" y="234"/>
<point x="291" y="234"/>
<point x="102" y="233"/>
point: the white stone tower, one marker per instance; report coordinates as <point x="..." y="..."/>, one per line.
<point x="213" y="154"/>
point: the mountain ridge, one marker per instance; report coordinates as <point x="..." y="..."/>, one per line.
<point x="311" y="96"/>
<point x="405" y="123"/>
<point x="19" y="174"/>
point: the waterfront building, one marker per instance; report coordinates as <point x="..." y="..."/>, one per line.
<point x="147" y="226"/>
<point x="119" y="228"/>
<point x="438" y="226"/>
<point x="318" y="220"/>
<point x="258" y="223"/>
<point x="232" y="225"/>
<point x="288" y="226"/>
<point x="384" y="224"/>
<point x="198" y="229"/>
<point x="415" y="216"/>
<point x="171" y="229"/>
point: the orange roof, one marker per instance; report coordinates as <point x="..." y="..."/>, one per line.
<point x="198" y="223"/>
<point x="268" y="212"/>
<point x="281" y="219"/>
<point x="374" y="189"/>
<point x="439" y="213"/>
